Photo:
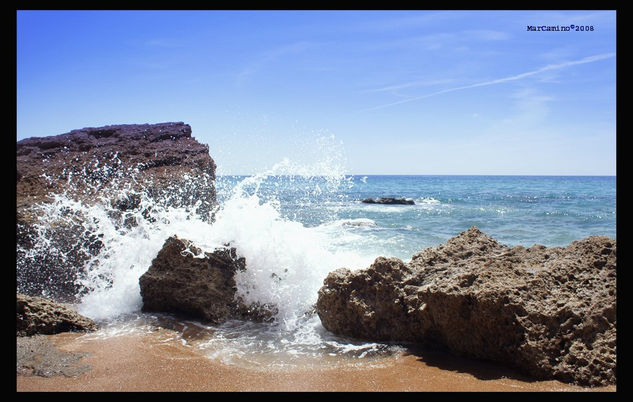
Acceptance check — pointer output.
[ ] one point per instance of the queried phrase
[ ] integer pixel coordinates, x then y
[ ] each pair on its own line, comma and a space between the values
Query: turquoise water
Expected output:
295, 229
516, 210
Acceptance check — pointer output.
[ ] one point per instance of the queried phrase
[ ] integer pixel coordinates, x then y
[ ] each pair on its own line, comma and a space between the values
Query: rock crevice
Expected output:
550, 312
185, 281
37, 315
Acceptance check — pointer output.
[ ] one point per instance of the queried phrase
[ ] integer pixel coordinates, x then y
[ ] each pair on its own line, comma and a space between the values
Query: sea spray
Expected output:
113, 246
294, 223
286, 261
280, 220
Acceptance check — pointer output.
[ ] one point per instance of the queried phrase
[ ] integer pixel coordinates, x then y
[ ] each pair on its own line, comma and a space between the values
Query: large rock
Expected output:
551, 312
117, 166
155, 158
184, 281
36, 315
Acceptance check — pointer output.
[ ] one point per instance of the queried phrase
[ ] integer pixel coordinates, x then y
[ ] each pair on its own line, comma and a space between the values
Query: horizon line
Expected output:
440, 174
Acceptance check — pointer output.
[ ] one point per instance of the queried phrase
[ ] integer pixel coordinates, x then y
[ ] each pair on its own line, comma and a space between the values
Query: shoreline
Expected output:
146, 362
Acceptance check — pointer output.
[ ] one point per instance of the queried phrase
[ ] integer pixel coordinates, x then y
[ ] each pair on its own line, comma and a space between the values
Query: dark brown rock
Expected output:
389, 201
94, 160
36, 315
115, 166
550, 312
182, 281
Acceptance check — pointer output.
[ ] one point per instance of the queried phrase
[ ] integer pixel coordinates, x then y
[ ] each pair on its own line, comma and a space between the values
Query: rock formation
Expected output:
116, 166
93, 160
550, 312
389, 201
36, 315
183, 281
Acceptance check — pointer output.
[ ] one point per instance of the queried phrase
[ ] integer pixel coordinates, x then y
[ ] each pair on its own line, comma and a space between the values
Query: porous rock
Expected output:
116, 166
156, 156
184, 281
550, 312
37, 315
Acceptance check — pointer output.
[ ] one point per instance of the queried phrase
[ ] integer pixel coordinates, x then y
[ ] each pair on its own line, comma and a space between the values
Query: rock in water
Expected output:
183, 282
550, 312
36, 315
389, 201
115, 166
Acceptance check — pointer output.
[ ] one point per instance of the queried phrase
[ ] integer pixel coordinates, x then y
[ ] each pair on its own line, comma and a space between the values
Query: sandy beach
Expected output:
145, 362
270, 200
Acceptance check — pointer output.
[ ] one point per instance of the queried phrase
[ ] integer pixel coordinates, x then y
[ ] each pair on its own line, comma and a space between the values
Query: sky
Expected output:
369, 92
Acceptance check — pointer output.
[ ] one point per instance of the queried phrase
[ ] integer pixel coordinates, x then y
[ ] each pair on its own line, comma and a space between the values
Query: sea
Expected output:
294, 225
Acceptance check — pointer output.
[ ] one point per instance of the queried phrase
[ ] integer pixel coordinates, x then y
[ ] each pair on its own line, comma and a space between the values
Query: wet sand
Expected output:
146, 362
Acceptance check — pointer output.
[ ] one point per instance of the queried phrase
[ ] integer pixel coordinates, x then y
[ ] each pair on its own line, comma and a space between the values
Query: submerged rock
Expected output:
37, 315
184, 281
37, 355
116, 166
389, 200
550, 312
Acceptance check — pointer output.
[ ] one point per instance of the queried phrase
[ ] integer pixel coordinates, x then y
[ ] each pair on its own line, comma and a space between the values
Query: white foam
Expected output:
383, 209
427, 201
286, 261
351, 223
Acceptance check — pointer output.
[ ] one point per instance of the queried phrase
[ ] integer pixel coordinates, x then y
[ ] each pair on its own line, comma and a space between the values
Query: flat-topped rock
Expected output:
37, 315
116, 167
91, 160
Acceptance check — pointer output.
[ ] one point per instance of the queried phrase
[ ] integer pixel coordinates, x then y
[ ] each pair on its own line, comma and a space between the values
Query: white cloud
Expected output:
531, 110
549, 67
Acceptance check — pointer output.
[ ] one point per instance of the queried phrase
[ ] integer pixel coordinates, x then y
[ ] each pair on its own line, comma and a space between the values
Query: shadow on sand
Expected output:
438, 356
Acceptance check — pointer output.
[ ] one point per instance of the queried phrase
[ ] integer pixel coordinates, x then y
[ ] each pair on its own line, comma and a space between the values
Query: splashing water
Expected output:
286, 260
294, 223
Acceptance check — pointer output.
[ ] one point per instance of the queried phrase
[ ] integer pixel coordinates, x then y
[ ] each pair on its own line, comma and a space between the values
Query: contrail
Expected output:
409, 84
549, 67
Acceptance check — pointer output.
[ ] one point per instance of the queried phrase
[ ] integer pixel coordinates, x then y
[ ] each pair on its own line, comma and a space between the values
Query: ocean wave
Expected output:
352, 223
427, 201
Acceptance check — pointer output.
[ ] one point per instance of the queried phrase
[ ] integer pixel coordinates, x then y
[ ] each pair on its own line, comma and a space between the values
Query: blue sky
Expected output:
377, 92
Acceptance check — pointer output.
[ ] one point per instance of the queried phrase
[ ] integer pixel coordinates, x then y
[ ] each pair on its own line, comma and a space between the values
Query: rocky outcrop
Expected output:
116, 166
154, 158
185, 281
389, 201
36, 315
550, 312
